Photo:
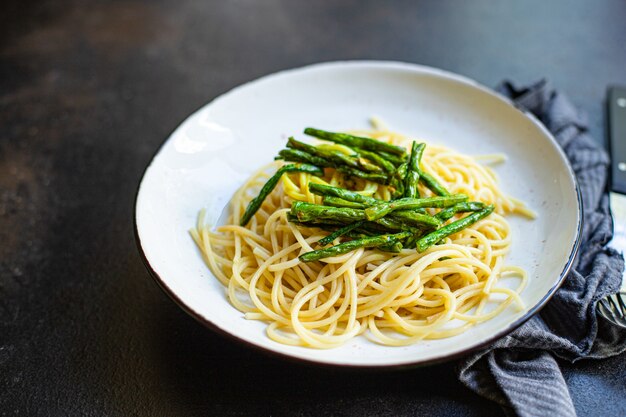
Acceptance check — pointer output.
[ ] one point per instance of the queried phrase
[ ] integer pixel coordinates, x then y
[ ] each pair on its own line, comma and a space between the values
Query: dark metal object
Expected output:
616, 106
613, 307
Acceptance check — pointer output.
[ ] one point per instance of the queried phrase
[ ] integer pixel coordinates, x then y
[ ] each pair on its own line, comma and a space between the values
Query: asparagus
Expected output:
315, 212
368, 144
329, 200
397, 180
410, 217
331, 227
336, 157
370, 176
342, 193
385, 164
361, 162
368, 242
412, 173
304, 212
394, 159
351, 199
339, 232
395, 225
412, 240
382, 209
395, 247
256, 202
295, 155
367, 228
413, 218
375, 229
448, 213
454, 227
325, 224
430, 182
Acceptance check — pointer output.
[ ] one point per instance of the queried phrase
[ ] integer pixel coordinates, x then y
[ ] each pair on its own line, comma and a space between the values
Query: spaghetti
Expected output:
392, 298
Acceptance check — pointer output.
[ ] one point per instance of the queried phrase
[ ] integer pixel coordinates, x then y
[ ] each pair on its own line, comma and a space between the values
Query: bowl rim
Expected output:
403, 364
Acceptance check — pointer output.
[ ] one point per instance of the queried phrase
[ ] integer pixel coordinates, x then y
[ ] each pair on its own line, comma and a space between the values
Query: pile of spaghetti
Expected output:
365, 233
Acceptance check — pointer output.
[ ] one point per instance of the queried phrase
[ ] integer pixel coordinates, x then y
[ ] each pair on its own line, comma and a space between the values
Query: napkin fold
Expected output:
520, 371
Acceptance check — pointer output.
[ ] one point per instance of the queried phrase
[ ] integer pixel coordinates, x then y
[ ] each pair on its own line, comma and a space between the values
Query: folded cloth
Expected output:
519, 371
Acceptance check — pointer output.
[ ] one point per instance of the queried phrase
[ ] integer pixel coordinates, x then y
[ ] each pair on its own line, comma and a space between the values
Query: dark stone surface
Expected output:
89, 90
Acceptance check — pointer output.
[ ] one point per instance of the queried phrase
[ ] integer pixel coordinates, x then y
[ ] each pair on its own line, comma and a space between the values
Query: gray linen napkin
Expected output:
519, 371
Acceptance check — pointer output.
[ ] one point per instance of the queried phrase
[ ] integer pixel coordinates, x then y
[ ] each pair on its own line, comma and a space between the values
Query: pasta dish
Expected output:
369, 233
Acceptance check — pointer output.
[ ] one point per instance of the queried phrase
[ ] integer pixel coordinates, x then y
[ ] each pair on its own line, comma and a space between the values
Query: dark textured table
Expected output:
89, 90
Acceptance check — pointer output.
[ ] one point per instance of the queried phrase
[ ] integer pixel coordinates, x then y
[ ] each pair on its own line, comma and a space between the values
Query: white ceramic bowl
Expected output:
212, 152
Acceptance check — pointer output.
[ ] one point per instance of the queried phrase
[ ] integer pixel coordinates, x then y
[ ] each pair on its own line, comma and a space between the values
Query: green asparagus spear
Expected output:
430, 182
339, 232
375, 229
292, 218
326, 224
394, 159
368, 242
327, 190
328, 227
409, 217
386, 165
332, 224
336, 157
368, 144
412, 240
313, 212
256, 202
413, 173
399, 221
382, 209
395, 247
295, 155
370, 176
356, 159
454, 227
395, 225
413, 218
448, 213
329, 200
397, 180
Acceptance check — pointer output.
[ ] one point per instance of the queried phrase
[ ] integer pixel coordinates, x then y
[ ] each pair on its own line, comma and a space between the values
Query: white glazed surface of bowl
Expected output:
212, 152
